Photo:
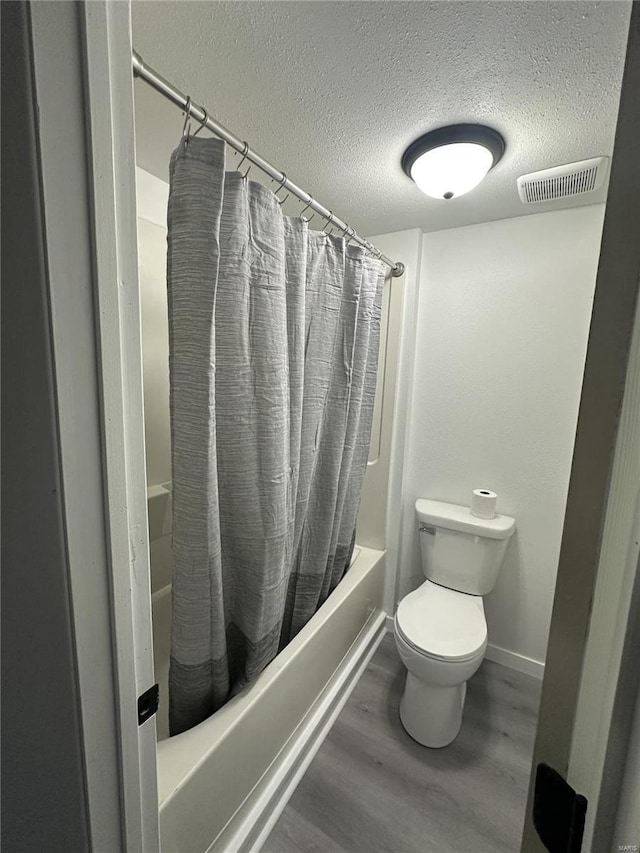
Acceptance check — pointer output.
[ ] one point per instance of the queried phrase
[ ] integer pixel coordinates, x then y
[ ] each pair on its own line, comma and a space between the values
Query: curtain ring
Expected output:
306, 207
329, 219
187, 118
202, 121
245, 151
280, 185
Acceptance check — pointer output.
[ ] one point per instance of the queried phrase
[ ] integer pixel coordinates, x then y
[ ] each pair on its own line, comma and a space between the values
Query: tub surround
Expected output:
152, 250
379, 520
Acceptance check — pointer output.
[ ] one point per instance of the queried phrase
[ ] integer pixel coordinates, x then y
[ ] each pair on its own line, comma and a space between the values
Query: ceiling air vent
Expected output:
586, 176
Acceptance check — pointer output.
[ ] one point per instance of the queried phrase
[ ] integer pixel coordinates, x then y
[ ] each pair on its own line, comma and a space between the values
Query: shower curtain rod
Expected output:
157, 82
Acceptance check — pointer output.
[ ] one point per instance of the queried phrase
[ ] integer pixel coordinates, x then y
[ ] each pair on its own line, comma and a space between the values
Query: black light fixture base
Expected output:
479, 134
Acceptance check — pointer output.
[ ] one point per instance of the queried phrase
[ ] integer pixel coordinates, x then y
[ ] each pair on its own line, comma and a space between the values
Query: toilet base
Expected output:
430, 714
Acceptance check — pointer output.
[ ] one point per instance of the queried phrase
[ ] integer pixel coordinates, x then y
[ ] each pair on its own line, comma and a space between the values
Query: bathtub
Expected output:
222, 784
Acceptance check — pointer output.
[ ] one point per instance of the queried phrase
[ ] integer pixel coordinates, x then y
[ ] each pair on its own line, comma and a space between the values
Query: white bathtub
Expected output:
223, 783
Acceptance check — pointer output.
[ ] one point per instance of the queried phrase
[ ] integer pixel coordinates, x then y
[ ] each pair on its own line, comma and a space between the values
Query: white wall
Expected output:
502, 327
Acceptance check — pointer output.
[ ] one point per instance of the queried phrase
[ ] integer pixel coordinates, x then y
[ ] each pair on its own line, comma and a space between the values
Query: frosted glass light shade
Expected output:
451, 170
451, 161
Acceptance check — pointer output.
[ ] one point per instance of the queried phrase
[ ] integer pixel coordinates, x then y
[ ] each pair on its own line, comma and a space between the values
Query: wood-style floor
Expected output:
371, 788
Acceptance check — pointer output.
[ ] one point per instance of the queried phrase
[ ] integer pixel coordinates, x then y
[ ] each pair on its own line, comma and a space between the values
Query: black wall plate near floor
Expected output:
558, 812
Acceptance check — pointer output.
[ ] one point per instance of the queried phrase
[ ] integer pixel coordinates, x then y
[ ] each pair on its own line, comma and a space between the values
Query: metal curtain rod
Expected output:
156, 81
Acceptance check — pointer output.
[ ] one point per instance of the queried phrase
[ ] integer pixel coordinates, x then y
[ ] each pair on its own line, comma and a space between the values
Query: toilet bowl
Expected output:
441, 636
439, 628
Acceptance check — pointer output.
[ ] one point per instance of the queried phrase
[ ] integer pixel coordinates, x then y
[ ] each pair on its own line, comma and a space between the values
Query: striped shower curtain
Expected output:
273, 349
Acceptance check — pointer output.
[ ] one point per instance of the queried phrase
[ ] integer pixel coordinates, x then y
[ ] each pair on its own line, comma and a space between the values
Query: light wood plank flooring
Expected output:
371, 788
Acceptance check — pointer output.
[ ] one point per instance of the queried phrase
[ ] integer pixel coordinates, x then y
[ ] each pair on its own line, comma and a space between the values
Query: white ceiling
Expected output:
333, 92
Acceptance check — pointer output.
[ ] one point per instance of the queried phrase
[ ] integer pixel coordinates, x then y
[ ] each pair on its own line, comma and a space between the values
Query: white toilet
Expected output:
440, 629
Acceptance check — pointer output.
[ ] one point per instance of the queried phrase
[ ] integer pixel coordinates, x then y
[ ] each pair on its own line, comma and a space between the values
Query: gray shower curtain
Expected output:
273, 349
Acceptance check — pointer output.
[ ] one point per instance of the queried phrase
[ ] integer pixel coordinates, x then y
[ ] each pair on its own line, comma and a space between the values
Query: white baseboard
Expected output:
502, 656
515, 661
250, 826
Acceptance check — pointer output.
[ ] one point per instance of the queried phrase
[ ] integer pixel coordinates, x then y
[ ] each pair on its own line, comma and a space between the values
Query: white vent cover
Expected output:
586, 176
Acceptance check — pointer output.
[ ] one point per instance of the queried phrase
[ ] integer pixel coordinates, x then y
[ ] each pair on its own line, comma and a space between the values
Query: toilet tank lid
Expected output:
455, 517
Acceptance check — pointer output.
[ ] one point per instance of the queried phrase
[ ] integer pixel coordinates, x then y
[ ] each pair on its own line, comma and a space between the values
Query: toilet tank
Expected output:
459, 550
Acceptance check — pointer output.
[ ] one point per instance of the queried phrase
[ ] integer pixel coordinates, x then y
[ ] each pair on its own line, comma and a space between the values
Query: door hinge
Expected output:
148, 703
558, 812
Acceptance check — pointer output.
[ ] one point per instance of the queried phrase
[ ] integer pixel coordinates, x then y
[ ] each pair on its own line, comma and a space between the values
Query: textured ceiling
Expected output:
333, 92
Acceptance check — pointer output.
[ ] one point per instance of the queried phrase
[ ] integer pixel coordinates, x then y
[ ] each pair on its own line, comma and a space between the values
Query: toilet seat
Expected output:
442, 623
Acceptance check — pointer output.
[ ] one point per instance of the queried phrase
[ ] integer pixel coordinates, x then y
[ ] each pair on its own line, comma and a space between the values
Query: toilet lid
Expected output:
442, 623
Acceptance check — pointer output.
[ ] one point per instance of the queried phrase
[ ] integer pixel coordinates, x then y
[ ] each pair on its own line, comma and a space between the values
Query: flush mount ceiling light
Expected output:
450, 161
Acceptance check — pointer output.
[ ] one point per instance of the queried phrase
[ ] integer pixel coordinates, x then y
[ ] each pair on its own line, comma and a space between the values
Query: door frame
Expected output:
106, 31
591, 617
83, 89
